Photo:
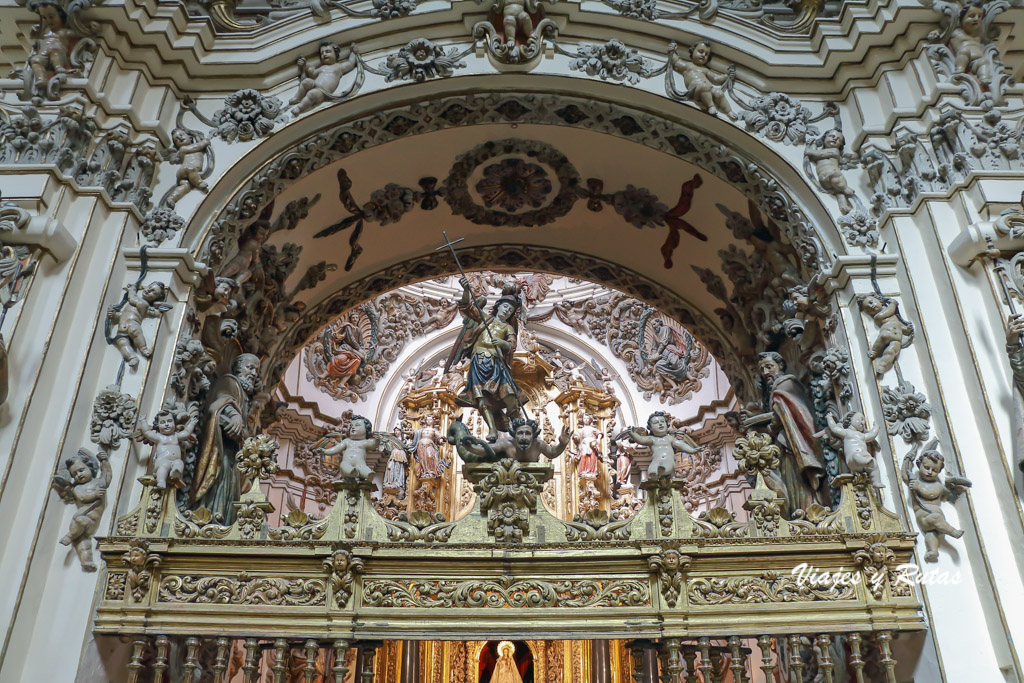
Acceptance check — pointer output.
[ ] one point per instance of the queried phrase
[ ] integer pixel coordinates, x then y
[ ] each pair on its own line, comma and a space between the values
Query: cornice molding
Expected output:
167, 45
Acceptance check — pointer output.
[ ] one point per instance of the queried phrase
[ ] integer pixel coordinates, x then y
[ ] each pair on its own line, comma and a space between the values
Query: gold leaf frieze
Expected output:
507, 592
769, 587
243, 590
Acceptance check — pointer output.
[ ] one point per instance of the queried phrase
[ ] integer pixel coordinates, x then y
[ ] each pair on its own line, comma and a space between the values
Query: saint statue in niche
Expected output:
506, 662
428, 440
588, 444
394, 474
505, 670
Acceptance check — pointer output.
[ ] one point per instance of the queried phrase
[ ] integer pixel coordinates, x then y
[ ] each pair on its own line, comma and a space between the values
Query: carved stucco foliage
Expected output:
115, 159
506, 591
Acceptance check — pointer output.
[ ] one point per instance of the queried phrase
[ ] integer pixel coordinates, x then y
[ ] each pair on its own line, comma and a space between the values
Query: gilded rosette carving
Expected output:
507, 591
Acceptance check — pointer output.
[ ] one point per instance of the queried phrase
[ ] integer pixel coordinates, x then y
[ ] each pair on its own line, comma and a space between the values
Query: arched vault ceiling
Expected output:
599, 140
604, 234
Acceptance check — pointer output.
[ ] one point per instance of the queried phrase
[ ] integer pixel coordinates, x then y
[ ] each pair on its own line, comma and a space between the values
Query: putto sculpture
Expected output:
58, 50
167, 462
664, 445
85, 487
894, 333
830, 160
705, 88
928, 492
857, 439
138, 304
361, 440
193, 153
320, 84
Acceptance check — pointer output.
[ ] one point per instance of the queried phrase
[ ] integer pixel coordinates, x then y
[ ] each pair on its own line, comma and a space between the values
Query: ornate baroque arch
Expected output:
658, 129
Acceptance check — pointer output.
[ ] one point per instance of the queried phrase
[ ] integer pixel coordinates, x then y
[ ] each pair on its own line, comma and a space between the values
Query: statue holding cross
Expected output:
489, 341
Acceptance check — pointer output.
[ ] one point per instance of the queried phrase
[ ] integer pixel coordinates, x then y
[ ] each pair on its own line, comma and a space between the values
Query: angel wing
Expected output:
158, 309
171, 154
63, 488
389, 441
956, 487
327, 441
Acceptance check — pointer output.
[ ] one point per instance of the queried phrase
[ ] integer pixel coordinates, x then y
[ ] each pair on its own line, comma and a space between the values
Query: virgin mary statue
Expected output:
505, 670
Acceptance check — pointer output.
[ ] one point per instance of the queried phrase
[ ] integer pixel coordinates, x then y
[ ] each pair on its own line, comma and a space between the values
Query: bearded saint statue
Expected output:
217, 483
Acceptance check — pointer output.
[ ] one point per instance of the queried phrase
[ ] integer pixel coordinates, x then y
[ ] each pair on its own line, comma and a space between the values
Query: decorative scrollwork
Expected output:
507, 592
598, 525
243, 590
420, 525
769, 587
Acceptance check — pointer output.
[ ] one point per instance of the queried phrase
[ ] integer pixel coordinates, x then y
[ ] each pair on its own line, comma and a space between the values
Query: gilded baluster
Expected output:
796, 662
312, 649
249, 666
163, 648
673, 665
280, 659
220, 664
690, 657
705, 659
739, 670
856, 660
339, 669
717, 666
135, 665
369, 653
825, 657
636, 648
191, 660
765, 643
884, 640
